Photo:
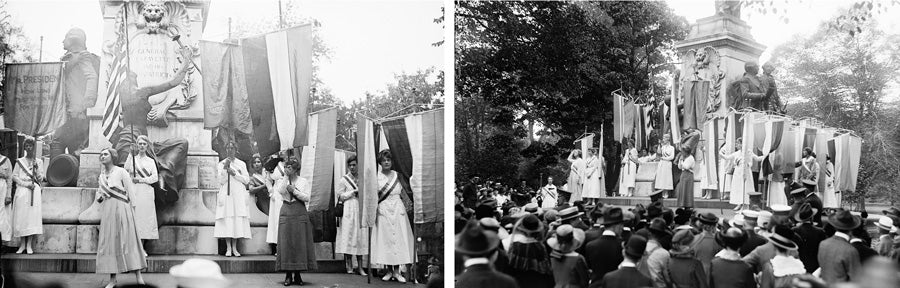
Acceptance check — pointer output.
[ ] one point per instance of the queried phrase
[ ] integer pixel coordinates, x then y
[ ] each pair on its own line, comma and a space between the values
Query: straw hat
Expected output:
566, 239
199, 273
885, 223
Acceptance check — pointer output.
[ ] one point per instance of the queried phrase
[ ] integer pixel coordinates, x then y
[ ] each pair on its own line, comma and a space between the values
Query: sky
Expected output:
805, 17
371, 41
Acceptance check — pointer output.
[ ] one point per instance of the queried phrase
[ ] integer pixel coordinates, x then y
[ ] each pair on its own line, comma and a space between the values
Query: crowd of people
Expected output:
503, 244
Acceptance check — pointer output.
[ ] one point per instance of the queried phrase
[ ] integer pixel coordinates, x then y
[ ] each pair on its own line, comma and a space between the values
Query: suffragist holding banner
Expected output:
392, 237
232, 210
144, 174
28, 175
119, 248
352, 239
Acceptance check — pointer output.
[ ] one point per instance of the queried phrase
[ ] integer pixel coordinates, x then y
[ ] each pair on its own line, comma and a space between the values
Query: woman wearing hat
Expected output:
570, 270
783, 268
528, 256
727, 269
28, 175
683, 269
685, 188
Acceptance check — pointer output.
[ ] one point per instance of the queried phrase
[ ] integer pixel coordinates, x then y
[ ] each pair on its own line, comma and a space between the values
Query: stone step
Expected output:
86, 263
671, 202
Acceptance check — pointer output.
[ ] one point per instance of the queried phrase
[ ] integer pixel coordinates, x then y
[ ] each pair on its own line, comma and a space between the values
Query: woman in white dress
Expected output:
28, 175
6, 209
575, 182
741, 181
593, 186
232, 209
392, 237
275, 200
830, 198
664, 179
629, 169
726, 162
143, 197
352, 239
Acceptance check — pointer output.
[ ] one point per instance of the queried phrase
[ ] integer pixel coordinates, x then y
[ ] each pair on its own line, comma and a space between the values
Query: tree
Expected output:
841, 79
14, 45
553, 63
852, 20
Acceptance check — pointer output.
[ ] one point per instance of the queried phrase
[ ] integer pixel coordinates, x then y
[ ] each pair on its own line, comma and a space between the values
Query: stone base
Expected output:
56, 239
200, 172
86, 263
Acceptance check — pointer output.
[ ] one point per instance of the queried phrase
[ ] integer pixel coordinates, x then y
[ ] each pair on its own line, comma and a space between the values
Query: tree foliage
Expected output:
843, 81
14, 45
521, 65
852, 20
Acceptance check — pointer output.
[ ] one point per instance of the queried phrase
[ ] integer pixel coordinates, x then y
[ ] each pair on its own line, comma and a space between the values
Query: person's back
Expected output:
684, 271
808, 245
625, 277
838, 258
705, 249
484, 276
570, 270
603, 255
730, 273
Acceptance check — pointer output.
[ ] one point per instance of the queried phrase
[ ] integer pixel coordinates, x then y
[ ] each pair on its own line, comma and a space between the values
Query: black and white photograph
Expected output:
661, 144
222, 143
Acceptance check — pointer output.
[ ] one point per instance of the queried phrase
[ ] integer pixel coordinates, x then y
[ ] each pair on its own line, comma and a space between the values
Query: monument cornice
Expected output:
722, 39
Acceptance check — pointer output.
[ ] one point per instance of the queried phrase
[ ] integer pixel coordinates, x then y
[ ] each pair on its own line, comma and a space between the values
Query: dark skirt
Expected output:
296, 250
685, 189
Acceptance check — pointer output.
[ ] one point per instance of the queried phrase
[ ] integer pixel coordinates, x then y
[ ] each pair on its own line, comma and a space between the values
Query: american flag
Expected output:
112, 111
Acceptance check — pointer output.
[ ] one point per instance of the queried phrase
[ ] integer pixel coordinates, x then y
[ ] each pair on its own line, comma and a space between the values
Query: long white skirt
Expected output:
5, 213
592, 187
145, 211
392, 237
27, 219
740, 186
275, 203
351, 239
776, 193
831, 198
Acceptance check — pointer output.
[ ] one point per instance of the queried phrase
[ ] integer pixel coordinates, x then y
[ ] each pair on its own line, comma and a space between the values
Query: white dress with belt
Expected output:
144, 196
27, 218
275, 202
352, 239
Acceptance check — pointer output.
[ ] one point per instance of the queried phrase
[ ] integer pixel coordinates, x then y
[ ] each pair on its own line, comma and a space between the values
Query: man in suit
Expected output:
810, 237
705, 245
479, 250
627, 276
470, 192
596, 230
753, 239
803, 195
604, 254
838, 258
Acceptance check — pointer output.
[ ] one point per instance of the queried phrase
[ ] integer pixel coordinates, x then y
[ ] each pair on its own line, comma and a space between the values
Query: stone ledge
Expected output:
86, 263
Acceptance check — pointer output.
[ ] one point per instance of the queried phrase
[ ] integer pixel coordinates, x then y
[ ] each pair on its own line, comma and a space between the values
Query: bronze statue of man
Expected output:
80, 76
748, 92
774, 100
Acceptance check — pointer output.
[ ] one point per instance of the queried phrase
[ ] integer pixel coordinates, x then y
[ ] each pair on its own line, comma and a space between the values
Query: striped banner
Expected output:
618, 107
821, 151
225, 98
426, 140
711, 151
640, 131
367, 165
674, 122
318, 158
289, 54
586, 143
340, 169
262, 105
111, 123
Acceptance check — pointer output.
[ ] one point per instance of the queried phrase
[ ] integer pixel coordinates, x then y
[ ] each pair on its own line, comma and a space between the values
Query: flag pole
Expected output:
128, 73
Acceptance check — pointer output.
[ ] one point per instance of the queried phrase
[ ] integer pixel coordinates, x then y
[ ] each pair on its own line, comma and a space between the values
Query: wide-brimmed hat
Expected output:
655, 192
805, 213
532, 208
885, 223
474, 240
613, 216
783, 242
569, 213
750, 215
708, 218
797, 188
781, 210
199, 273
530, 224
764, 217
566, 239
892, 211
658, 225
635, 246
491, 224
843, 220
736, 221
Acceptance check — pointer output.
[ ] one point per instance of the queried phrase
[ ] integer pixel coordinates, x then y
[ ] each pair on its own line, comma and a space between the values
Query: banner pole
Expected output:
369, 259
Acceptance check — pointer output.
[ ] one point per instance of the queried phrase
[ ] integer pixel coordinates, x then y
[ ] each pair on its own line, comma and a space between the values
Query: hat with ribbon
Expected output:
805, 213
885, 223
569, 213
708, 218
566, 239
474, 240
613, 216
844, 220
